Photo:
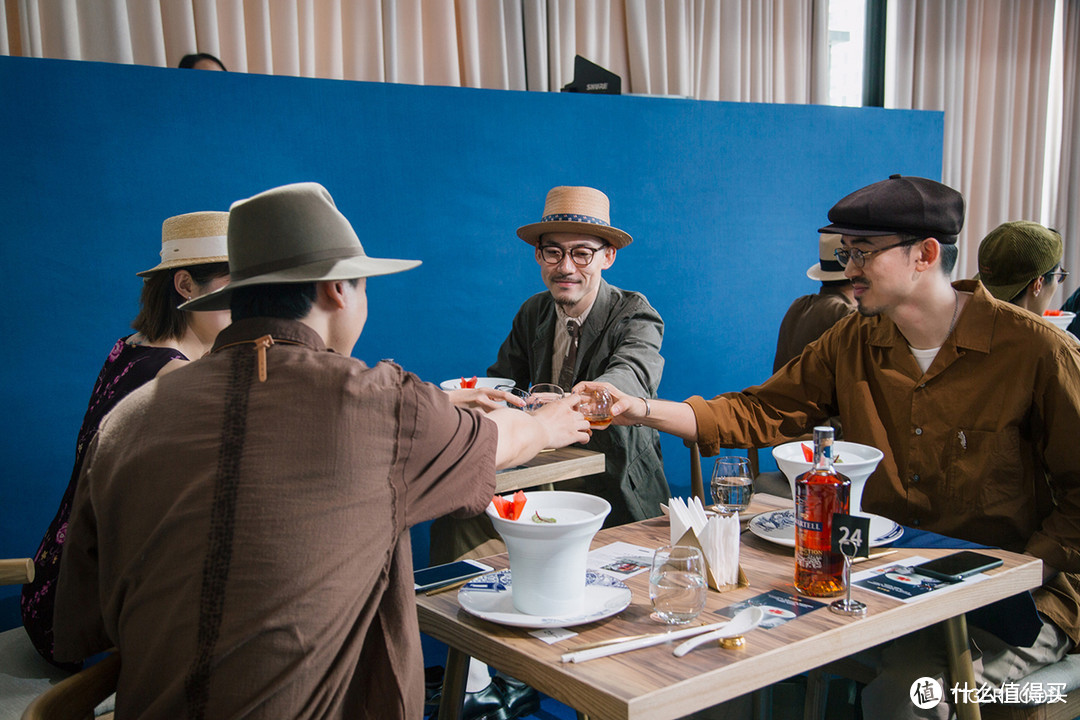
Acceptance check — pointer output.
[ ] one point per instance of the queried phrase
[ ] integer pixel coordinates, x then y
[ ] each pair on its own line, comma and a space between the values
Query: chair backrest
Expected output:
16, 572
75, 697
697, 485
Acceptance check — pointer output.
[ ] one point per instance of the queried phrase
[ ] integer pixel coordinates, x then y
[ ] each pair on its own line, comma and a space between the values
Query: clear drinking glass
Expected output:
542, 394
596, 407
677, 585
517, 392
732, 485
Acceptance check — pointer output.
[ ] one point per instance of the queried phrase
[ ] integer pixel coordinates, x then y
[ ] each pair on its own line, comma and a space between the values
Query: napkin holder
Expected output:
690, 539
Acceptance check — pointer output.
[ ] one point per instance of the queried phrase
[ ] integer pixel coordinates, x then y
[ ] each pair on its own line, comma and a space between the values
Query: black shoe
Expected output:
503, 699
518, 698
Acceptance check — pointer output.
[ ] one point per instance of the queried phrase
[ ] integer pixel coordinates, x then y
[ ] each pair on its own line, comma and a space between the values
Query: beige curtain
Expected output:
1065, 215
987, 65
753, 50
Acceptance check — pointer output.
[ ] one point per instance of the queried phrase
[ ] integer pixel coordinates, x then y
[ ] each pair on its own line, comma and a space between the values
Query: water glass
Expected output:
516, 392
732, 485
677, 585
541, 394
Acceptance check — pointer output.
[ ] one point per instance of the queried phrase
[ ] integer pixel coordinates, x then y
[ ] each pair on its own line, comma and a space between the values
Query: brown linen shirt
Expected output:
982, 447
246, 544
807, 318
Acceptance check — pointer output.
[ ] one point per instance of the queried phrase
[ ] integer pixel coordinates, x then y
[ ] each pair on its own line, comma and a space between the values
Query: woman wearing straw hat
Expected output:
194, 262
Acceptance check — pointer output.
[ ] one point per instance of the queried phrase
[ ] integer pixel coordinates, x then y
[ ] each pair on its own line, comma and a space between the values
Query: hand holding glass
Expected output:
596, 407
677, 584
732, 486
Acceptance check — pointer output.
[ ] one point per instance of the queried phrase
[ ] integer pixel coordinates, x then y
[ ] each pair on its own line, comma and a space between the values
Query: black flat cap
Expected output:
911, 205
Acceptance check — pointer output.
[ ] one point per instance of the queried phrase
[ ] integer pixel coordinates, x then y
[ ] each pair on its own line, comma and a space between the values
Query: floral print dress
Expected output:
127, 368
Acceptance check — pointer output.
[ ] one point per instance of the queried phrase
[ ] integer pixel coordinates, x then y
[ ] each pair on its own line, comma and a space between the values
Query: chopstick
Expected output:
649, 640
875, 556
624, 638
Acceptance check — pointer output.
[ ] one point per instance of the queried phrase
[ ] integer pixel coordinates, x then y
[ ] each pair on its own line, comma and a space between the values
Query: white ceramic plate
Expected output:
489, 597
488, 382
778, 526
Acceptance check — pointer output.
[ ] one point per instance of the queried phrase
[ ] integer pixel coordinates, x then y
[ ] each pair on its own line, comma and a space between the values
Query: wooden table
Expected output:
652, 683
550, 466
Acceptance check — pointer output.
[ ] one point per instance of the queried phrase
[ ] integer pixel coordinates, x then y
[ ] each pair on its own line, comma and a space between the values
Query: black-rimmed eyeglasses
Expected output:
858, 256
581, 256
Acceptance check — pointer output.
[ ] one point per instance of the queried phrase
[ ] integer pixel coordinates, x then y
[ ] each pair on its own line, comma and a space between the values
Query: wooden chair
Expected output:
75, 697
16, 572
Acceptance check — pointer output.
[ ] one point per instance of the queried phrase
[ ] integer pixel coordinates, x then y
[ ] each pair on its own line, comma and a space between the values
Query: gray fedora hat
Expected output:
292, 234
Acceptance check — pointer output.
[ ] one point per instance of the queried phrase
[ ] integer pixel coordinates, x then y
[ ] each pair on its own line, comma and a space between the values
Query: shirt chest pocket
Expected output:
983, 468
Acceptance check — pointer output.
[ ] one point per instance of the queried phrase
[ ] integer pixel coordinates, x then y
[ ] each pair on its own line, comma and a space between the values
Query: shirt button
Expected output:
918, 431
915, 522
922, 386
915, 477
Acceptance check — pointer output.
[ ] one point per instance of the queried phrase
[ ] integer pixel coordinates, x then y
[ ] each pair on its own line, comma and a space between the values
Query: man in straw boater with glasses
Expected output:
580, 328
974, 402
241, 529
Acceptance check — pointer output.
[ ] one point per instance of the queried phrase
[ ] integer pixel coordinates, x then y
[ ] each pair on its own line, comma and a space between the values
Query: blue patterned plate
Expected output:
778, 526
489, 597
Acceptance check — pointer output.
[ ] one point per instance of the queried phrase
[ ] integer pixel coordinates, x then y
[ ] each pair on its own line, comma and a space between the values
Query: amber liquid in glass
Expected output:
598, 422
819, 492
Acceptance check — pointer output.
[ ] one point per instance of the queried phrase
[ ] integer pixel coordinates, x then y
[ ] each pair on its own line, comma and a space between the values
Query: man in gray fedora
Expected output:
241, 528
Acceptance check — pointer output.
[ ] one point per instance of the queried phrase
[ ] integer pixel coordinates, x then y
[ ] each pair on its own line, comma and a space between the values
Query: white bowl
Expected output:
547, 560
857, 463
488, 382
1062, 321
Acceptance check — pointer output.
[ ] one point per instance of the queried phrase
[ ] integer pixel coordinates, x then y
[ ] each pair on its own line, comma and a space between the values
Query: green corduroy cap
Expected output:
1014, 254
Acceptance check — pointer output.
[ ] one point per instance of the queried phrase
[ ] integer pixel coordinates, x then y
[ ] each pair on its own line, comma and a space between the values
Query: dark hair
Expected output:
947, 243
188, 61
159, 318
289, 301
835, 283
949, 253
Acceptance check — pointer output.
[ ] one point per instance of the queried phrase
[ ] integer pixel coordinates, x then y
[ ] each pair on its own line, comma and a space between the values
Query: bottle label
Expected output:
807, 524
810, 559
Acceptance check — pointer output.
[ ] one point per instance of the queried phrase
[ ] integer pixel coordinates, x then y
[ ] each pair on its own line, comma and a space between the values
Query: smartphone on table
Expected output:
956, 567
437, 576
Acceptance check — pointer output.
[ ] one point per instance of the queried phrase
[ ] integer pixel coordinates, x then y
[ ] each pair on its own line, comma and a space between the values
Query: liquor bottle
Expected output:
819, 492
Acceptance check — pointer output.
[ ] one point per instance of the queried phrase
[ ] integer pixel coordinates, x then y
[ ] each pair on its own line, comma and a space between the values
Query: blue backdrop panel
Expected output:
723, 201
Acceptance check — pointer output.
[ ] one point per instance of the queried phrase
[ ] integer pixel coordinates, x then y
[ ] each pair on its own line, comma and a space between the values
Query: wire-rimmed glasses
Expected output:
858, 256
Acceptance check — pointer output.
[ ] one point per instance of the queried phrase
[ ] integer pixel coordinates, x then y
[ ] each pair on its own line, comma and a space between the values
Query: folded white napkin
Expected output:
717, 536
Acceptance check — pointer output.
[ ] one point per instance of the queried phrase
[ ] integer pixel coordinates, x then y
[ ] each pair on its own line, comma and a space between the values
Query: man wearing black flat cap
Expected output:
975, 404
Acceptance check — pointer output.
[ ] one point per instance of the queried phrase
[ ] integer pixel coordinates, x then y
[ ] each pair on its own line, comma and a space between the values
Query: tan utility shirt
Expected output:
984, 446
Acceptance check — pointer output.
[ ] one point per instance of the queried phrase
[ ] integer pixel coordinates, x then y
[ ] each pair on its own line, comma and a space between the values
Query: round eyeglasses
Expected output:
581, 256
858, 256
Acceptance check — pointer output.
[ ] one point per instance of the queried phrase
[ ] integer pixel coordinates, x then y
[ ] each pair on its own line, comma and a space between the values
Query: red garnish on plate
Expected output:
510, 509
807, 452
470, 383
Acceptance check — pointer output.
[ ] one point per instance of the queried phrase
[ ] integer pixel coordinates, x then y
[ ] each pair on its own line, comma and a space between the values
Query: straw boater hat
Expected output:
828, 267
195, 238
575, 210
292, 234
